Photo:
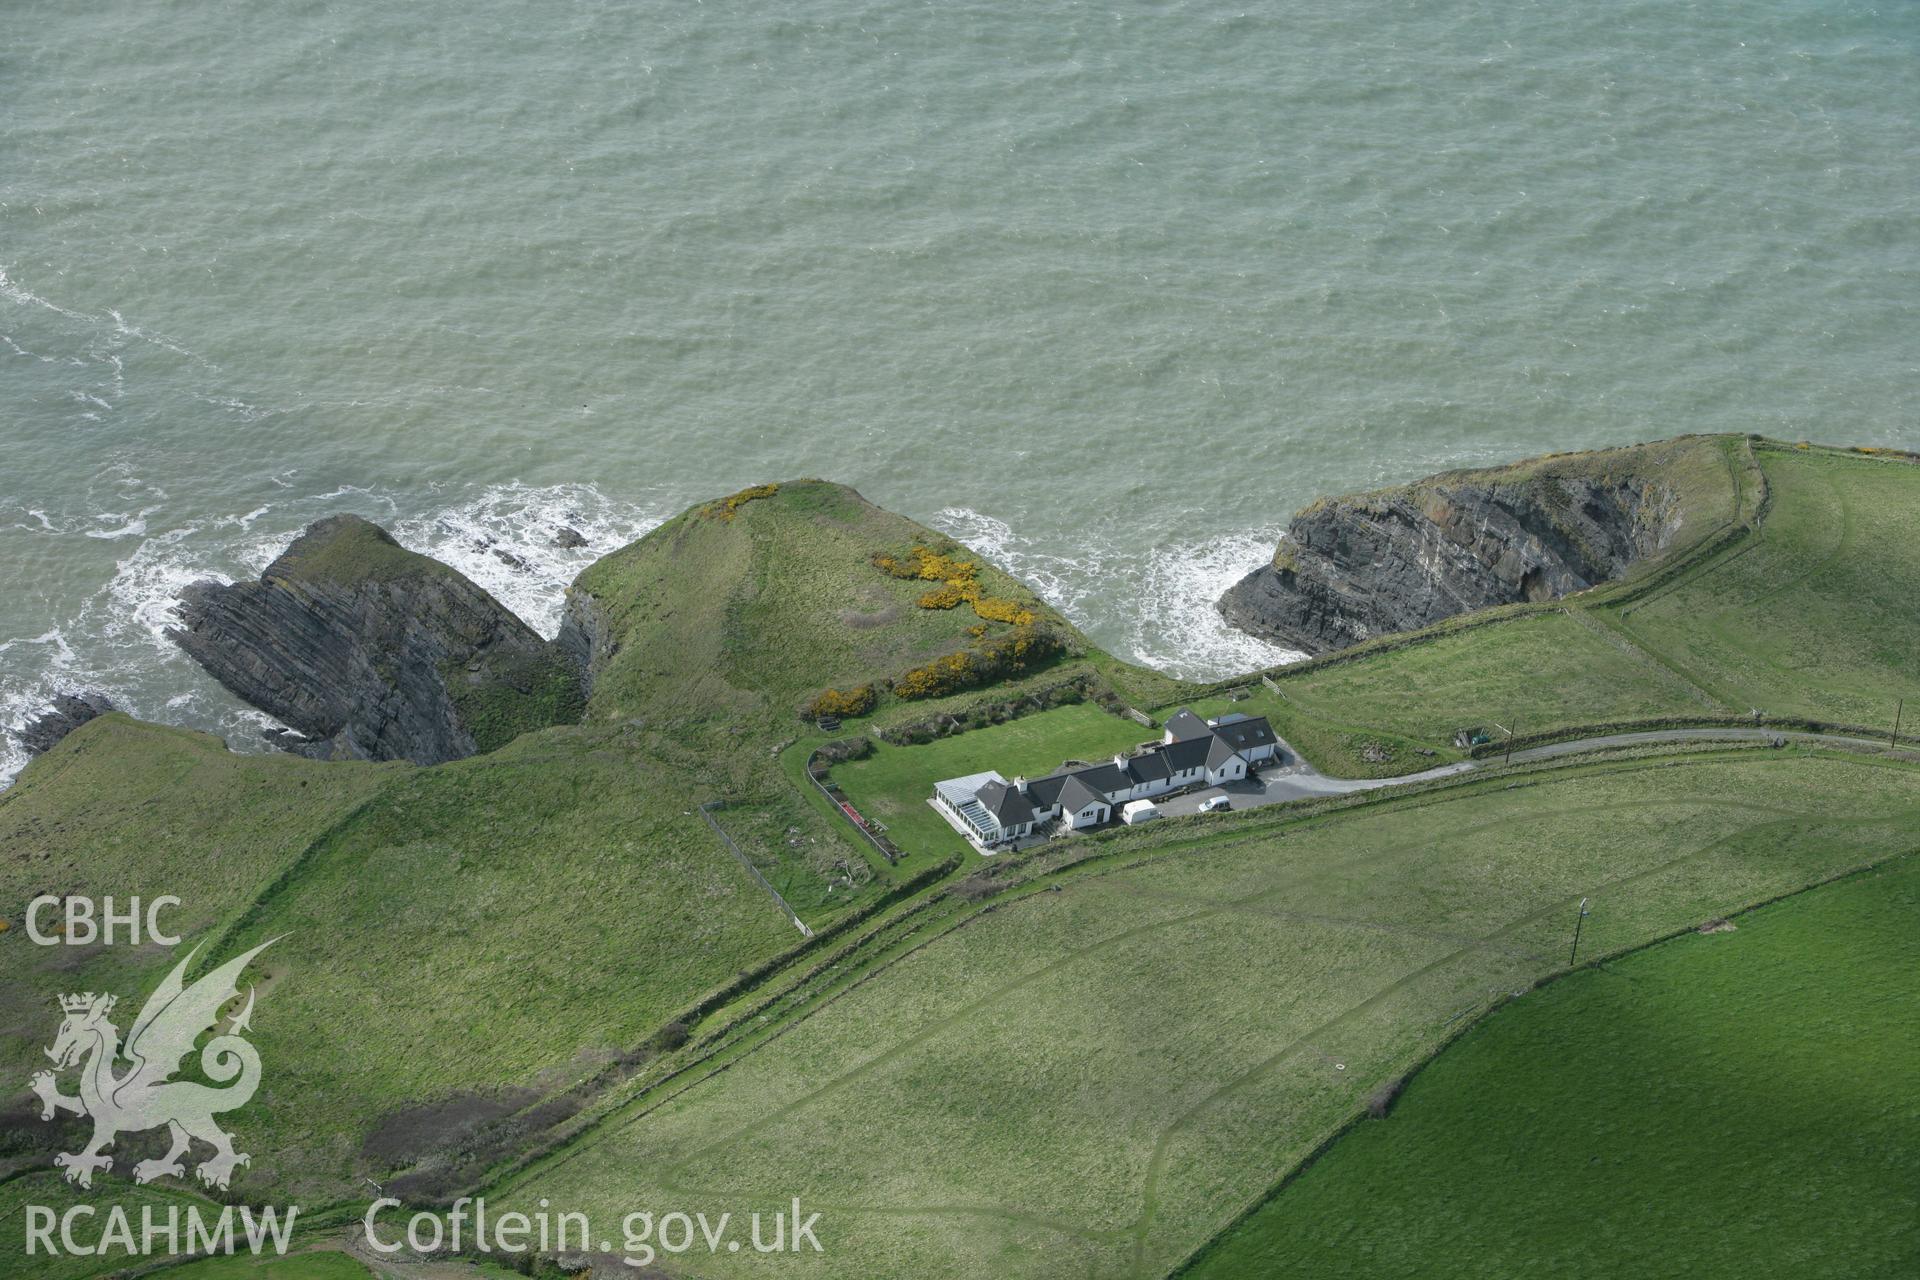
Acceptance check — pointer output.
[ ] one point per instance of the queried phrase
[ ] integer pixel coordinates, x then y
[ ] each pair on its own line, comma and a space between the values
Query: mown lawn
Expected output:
1726, 1104
894, 782
1094, 1078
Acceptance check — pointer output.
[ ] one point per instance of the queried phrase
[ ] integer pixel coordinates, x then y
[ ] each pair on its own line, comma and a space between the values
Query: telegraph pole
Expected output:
1577, 922
1509, 759
1893, 739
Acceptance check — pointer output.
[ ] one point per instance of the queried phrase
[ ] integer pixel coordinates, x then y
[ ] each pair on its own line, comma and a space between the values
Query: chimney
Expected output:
1020, 785
1119, 761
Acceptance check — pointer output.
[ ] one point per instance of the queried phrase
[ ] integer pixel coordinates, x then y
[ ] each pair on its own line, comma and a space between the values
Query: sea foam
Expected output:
1155, 606
502, 536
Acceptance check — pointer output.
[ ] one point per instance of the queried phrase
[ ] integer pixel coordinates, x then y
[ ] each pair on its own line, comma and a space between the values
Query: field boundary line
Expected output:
1620, 638
706, 811
1307, 1162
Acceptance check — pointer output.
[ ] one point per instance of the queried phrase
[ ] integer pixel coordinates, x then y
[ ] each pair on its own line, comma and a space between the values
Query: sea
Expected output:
1105, 291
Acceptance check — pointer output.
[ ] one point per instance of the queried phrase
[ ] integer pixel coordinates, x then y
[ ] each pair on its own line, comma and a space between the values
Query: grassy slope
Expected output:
1811, 617
1094, 1080
491, 924
1733, 1104
726, 627
128, 809
48, 1189
1816, 616
507, 921
325, 1264
728, 621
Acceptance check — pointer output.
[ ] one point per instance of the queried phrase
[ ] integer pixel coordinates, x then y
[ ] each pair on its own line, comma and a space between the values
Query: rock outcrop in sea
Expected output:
1397, 559
368, 651
69, 712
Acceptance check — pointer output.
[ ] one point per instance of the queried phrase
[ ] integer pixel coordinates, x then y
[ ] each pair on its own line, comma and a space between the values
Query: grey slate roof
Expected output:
1196, 745
1219, 751
1076, 795
1184, 724
1247, 734
1105, 778
1005, 803
1189, 753
1150, 767
1045, 792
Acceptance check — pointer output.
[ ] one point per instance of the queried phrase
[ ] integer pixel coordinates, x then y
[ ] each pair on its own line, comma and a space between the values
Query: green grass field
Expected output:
1811, 617
1726, 1104
894, 782
501, 926
1095, 1078
317, 1265
1091, 1073
1814, 617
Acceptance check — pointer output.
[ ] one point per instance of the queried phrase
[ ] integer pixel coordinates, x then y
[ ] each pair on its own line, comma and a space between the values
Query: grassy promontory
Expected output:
538, 972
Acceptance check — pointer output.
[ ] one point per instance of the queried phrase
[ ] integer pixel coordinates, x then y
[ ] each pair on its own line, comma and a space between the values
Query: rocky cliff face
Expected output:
371, 652
585, 640
68, 712
1357, 567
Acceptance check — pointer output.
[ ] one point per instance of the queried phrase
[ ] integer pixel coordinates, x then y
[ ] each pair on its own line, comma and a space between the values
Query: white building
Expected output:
985, 807
1191, 753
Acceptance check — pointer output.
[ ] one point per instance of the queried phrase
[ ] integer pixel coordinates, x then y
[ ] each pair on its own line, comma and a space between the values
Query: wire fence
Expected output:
706, 811
817, 772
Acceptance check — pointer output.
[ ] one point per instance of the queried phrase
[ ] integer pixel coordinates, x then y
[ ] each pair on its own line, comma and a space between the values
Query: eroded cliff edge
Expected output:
1396, 559
369, 651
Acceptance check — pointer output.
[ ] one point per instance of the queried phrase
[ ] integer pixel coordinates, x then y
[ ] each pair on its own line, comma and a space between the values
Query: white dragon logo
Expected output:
145, 1097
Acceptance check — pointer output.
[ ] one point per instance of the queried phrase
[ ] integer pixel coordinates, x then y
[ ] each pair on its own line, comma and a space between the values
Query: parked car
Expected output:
1218, 804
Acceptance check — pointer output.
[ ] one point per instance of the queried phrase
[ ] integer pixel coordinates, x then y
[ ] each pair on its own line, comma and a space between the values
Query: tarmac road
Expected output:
1300, 780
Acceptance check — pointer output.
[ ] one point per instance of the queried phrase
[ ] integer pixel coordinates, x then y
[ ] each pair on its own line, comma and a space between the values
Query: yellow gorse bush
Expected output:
959, 581
726, 508
994, 609
856, 701
981, 664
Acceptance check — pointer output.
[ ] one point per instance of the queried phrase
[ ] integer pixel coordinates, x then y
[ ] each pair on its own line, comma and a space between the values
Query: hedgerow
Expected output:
984, 663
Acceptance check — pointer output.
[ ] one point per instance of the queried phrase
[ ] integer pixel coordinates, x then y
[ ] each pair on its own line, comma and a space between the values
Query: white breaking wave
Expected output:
504, 537
1160, 601
1180, 631
54, 663
1155, 607
505, 540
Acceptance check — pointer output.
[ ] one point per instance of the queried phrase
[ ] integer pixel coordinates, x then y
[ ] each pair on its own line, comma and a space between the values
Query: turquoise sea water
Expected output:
1106, 290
